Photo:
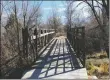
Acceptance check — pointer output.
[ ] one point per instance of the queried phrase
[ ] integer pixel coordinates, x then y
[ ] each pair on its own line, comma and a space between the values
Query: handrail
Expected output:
41, 35
34, 37
77, 41
47, 34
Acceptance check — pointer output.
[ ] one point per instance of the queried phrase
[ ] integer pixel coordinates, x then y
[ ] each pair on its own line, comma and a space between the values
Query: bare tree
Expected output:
69, 13
102, 25
54, 21
100, 16
12, 37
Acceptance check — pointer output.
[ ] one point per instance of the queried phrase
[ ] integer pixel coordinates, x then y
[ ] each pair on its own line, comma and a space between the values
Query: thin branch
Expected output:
33, 13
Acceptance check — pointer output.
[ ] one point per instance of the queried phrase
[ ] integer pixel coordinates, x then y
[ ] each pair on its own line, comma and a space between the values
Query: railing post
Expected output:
40, 39
72, 36
35, 33
48, 37
25, 43
0, 68
78, 43
83, 35
45, 37
74, 39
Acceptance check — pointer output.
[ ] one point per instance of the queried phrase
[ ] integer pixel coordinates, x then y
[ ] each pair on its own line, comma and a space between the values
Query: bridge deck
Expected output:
57, 62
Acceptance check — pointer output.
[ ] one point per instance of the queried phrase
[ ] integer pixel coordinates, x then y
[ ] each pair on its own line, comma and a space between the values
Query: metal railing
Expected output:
76, 37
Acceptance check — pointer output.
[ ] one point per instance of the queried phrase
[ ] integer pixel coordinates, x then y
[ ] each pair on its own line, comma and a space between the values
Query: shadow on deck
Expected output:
57, 59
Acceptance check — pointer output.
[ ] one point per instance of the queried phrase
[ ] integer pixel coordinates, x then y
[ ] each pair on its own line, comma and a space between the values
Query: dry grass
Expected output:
98, 64
102, 69
101, 54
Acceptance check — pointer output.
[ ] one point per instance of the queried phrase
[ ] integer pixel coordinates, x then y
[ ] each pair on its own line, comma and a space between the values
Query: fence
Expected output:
76, 37
32, 42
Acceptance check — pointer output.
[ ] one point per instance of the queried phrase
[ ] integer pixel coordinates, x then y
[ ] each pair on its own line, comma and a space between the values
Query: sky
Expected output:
46, 9
61, 7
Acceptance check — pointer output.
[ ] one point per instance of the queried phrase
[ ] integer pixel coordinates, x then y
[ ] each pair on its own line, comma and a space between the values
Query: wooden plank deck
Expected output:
57, 62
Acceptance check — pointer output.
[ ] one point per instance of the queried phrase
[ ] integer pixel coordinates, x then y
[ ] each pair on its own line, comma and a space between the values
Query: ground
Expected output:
98, 64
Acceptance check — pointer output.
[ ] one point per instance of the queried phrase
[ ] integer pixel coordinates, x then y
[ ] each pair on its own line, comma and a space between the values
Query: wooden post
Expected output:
0, 48
44, 38
25, 41
77, 44
73, 38
35, 33
48, 37
83, 35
